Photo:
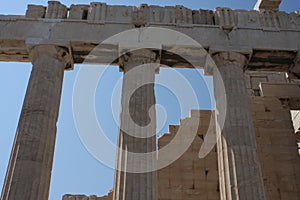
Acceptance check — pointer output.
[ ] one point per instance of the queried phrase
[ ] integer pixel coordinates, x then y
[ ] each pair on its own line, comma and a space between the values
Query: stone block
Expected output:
257, 80
257, 107
290, 195
173, 128
79, 12
122, 14
35, 11
266, 104
268, 19
203, 17
278, 140
267, 4
274, 124
56, 10
200, 184
276, 132
294, 20
169, 15
284, 20
280, 90
212, 175
224, 17
176, 194
156, 14
213, 194
272, 115
270, 171
97, 11
203, 114
211, 165
75, 197
176, 182
183, 15
247, 80
140, 15
196, 146
277, 77
164, 173
164, 182
247, 18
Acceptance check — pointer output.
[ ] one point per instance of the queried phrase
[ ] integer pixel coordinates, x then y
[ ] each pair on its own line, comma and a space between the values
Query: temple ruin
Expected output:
257, 60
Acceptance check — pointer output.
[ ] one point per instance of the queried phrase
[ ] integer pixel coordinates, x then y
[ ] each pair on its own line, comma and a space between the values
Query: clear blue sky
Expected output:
75, 170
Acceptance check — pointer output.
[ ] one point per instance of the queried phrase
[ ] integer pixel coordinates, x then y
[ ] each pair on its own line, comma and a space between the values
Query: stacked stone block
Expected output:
190, 177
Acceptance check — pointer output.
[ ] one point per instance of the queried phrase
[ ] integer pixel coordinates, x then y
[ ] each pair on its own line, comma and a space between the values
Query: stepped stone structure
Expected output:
253, 56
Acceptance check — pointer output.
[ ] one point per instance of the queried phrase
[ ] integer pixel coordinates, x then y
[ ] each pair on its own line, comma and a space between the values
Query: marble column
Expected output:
239, 168
29, 170
137, 132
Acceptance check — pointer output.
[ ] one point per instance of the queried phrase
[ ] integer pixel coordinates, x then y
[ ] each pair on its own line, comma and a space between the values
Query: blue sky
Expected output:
75, 170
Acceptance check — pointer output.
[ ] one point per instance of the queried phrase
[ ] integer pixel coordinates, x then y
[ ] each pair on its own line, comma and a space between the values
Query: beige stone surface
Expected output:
254, 79
190, 177
276, 141
280, 90
78, 12
56, 10
277, 148
35, 11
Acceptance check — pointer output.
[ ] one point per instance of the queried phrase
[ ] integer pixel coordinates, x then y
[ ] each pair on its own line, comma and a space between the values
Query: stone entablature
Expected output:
257, 34
177, 15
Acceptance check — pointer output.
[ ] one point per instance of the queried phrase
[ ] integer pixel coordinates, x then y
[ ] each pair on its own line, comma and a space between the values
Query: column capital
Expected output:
140, 56
60, 53
223, 58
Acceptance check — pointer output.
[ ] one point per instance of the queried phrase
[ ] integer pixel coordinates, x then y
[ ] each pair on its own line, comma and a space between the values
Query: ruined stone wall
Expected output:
277, 148
190, 177
276, 139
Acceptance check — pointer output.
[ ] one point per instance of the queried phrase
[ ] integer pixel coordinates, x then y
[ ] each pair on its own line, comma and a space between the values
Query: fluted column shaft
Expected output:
137, 132
239, 168
29, 170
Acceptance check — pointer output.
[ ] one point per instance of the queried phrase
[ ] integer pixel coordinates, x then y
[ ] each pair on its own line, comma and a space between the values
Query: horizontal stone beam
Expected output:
287, 91
280, 90
267, 5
